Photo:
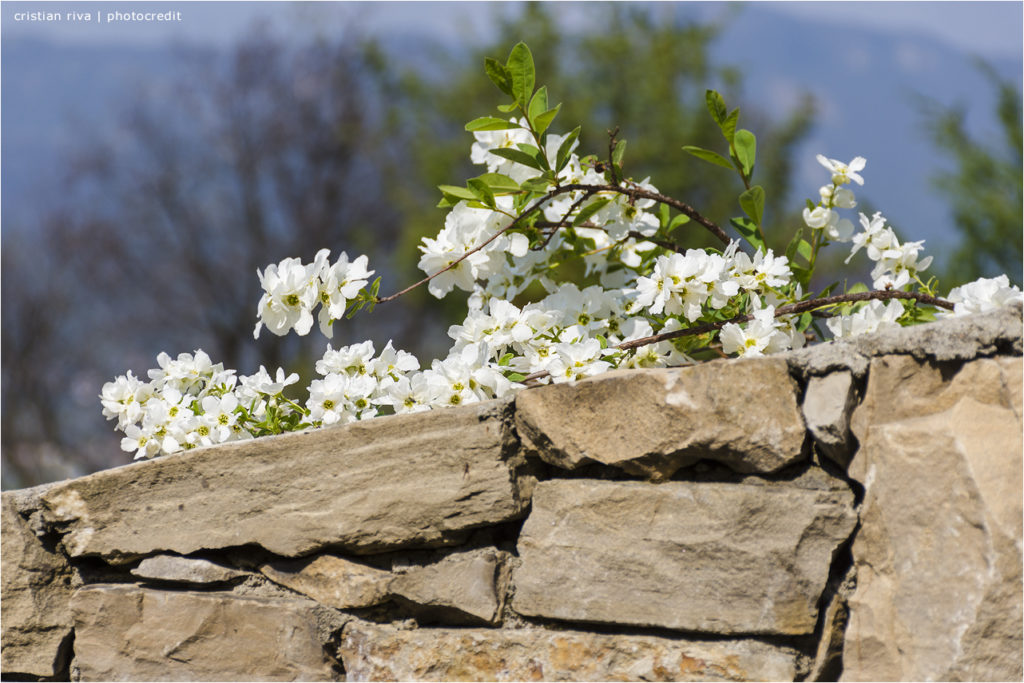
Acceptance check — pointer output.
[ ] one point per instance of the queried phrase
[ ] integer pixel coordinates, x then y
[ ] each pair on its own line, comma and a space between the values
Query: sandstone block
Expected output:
828, 404
400, 481
938, 556
462, 587
34, 599
714, 558
652, 422
125, 633
375, 653
192, 570
332, 580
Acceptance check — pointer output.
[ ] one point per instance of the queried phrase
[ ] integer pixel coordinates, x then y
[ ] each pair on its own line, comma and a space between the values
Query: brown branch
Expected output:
635, 193
789, 309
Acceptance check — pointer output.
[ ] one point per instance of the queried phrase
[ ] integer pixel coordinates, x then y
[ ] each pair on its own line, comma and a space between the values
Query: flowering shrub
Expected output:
642, 302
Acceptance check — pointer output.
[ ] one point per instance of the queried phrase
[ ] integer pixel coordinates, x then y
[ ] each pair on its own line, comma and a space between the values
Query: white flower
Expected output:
480, 152
836, 228
873, 317
291, 290
576, 361
340, 284
876, 237
981, 296
844, 173
355, 359
899, 265
763, 335
141, 440
123, 398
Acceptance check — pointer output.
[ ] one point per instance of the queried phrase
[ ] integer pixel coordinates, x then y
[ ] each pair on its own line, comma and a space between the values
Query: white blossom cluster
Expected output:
570, 333
189, 402
292, 290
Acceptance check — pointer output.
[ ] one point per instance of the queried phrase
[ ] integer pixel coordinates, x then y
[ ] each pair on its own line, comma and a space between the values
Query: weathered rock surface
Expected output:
828, 404
36, 588
332, 580
960, 339
462, 587
652, 422
125, 633
192, 570
375, 653
938, 556
716, 558
391, 482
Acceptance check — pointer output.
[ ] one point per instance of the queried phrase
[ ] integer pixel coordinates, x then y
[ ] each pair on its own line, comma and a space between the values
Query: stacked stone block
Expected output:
849, 510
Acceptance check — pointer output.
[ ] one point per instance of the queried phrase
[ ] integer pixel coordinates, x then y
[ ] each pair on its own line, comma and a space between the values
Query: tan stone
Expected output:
400, 481
192, 570
461, 587
715, 558
377, 653
331, 580
938, 556
126, 633
742, 413
828, 403
36, 590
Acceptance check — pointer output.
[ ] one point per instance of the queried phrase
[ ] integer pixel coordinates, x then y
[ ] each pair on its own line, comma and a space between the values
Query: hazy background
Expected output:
149, 168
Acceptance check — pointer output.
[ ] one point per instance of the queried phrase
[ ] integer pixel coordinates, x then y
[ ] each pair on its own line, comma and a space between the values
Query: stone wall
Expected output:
849, 510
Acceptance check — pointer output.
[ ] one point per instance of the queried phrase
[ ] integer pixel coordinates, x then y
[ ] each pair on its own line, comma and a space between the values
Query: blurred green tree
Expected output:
984, 188
641, 69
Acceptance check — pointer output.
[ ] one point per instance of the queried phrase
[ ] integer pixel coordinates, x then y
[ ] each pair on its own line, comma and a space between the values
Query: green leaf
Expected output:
482, 191
490, 123
518, 156
565, 149
504, 360
794, 244
664, 215
716, 106
498, 182
619, 152
515, 377
828, 290
729, 125
589, 210
801, 274
857, 288
543, 120
538, 104
681, 219
805, 321
520, 66
456, 192
748, 230
810, 205
805, 249
538, 184
709, 156
752, 203
745, 145
512, 106
499, 75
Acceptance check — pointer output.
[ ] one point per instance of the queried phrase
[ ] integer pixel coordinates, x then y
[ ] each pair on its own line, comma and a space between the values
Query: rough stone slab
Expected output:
715, 558
191, 570
462, 587
35, 595
376, 653
828, 404
400, 481
938, 556
332, 580
964, 338
742, 413
126, 633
